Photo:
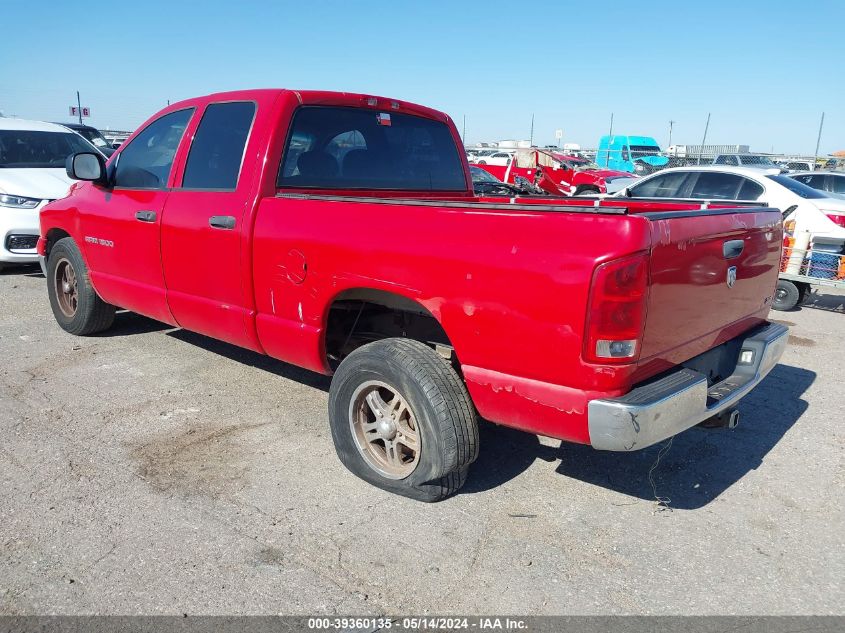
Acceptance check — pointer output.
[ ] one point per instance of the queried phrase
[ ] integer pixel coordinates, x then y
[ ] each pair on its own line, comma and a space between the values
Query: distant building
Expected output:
684, 151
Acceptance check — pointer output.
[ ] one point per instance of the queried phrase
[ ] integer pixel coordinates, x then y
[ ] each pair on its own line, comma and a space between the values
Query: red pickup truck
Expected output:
339, 232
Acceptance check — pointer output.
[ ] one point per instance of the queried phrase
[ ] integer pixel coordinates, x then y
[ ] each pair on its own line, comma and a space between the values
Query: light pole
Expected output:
671, 124
818, 141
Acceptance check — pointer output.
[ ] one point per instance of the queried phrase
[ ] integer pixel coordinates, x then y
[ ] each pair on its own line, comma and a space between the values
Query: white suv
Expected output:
32, 173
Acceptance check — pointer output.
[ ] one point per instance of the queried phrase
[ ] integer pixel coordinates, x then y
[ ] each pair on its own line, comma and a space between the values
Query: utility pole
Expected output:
671, 124
704, 138
79, 107
818, 141
464, 131
532, 131
611, 124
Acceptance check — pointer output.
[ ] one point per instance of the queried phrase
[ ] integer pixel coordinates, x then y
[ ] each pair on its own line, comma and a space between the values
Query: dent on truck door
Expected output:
203, 227
121, 224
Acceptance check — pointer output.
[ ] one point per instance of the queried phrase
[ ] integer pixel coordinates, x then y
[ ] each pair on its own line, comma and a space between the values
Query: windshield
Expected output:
764, 161
94, 136
29, 149
644, 150
580, 164
798, 188
479, 175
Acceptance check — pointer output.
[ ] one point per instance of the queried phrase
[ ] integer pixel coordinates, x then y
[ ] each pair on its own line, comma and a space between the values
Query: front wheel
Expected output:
76, 305
402, 420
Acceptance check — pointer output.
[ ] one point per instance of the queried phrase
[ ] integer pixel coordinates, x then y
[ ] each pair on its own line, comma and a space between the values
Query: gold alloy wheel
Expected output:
385, 430
66, 287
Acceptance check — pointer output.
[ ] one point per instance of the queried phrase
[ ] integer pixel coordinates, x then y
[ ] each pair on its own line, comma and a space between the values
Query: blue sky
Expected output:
765, 70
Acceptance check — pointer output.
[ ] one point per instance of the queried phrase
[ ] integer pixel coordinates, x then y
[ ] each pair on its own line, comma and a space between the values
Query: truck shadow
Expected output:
128, 323
253, 359
699, 466
826, 302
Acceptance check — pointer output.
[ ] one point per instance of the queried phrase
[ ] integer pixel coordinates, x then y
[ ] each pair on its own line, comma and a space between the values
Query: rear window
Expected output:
797, 187
354, 148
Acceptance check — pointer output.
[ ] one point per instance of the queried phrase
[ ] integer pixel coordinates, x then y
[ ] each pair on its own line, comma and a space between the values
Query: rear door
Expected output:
122, 228
203, 229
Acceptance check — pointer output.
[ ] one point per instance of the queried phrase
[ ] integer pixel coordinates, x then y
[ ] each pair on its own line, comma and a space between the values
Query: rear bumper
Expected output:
661, 409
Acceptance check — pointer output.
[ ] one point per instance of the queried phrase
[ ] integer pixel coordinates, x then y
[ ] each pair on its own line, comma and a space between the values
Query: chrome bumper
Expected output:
682, 399
42, 261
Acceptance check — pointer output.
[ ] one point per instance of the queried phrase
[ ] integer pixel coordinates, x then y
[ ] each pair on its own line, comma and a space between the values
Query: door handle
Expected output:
222, 222
732, 248
145, 216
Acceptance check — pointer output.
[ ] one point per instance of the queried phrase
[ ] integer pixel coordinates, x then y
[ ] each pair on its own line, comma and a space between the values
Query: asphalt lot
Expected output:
151, 470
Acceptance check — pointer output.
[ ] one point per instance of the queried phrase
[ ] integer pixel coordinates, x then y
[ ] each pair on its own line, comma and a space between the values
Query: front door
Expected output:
203, 228
122, 238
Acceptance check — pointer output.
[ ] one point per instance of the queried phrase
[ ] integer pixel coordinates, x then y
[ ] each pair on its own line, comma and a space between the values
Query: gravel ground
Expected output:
151, 470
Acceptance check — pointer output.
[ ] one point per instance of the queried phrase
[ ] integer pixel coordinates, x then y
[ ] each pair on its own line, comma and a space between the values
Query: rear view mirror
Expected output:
86, 166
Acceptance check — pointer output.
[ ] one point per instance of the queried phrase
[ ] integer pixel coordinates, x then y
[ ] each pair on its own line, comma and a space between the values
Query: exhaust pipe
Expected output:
728, 419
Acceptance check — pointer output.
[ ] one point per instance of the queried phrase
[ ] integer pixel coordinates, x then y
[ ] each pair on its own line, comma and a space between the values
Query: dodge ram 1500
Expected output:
340, 232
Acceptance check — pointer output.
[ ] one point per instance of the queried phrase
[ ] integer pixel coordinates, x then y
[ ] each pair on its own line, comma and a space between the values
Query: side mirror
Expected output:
86, 166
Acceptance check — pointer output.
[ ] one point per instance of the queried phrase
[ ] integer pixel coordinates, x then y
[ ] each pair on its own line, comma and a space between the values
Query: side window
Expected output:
217, 150
662, 186
750, 190
145, 163
716, 186
838, 184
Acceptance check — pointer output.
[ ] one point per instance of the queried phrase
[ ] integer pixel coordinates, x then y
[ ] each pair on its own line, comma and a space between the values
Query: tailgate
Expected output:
712, 272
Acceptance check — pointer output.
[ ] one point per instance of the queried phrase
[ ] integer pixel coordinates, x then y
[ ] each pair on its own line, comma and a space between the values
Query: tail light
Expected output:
617, 310
835, 218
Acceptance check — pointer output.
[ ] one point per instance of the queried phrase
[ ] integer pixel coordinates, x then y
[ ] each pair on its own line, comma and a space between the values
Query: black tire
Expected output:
586, 191
787, 295
87, 314
439, 404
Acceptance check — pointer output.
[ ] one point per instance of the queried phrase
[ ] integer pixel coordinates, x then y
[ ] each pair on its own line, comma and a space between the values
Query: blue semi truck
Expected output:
639, 155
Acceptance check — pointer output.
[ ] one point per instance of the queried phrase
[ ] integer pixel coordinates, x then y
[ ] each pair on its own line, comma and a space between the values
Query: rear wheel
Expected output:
76, 306
402, 420
787, 295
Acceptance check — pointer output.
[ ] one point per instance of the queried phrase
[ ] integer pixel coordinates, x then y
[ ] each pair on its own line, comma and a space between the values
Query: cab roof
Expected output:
318, 97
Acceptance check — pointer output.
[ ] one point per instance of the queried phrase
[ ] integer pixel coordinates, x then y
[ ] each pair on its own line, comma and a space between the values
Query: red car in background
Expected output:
559, 174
